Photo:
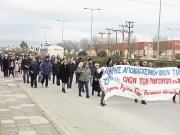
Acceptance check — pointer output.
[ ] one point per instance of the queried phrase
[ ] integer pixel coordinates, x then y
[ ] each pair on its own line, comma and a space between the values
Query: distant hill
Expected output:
15, 43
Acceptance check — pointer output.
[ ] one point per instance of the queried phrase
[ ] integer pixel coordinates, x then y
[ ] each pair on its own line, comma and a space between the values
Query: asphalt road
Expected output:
74, 115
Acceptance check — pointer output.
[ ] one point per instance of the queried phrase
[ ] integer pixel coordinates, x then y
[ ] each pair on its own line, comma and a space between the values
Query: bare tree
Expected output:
163, 44
95, 40
84, 42
112, 40
96, 43
97, 48
132, 45
75, 46
67, 45
112, 43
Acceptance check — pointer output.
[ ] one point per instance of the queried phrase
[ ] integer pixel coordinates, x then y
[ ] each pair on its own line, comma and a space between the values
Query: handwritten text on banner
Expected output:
141, 82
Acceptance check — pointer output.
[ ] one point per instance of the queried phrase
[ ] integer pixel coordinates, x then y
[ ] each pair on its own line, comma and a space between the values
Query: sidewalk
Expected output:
18, 114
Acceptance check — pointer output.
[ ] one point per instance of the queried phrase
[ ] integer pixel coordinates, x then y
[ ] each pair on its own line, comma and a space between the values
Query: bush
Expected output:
82, 53
177, 57
102, 53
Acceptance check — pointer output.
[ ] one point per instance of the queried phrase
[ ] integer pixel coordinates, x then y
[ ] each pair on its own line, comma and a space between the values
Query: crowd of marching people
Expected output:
41, 69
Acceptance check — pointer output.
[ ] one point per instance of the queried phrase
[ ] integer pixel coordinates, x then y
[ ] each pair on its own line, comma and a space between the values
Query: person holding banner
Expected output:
102, 103
151, 65
143, 64
174, 97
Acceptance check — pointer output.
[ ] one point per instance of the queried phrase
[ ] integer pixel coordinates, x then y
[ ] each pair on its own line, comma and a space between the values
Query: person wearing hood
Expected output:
46, 70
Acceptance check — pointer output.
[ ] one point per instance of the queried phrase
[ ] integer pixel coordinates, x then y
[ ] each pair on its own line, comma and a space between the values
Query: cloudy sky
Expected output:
19, 17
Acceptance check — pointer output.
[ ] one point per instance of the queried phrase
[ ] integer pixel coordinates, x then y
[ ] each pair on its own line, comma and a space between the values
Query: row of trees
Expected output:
164, 44
84, 42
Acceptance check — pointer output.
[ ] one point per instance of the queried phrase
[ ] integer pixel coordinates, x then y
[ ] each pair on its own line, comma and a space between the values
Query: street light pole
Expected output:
91, 20
62, 28
157, 55
45, 32
173, 49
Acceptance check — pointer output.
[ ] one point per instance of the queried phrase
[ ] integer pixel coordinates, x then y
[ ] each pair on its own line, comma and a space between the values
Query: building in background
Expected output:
167, 49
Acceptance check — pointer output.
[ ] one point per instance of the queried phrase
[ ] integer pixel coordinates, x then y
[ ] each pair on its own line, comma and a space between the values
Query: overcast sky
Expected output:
18, 17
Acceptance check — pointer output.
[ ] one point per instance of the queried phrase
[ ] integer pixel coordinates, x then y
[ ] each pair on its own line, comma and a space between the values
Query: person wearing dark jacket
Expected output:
64, 74
59, 62
96, 77
55, 70
0, 61
5, 65
91, 67
25, 67
30, 61
46, 70
11, 66
71, 71
109, 63
77, 61
33, 68
40, 76
52, 59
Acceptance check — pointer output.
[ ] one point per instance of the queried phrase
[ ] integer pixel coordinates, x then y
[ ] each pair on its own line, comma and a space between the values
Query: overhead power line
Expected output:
155, 3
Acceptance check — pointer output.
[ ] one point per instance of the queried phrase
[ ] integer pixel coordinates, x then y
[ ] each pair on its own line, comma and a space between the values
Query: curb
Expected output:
62, 127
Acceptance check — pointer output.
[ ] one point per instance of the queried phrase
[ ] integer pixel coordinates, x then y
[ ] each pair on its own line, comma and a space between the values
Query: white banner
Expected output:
141, 82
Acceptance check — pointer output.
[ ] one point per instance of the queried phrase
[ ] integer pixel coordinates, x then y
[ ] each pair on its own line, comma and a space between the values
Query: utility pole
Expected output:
122, 31
101, 33
159, 27
116, 39
108, 34
129, 26
173, 49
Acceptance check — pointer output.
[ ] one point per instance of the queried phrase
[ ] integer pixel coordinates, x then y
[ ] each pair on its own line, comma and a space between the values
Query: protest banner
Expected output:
141, 83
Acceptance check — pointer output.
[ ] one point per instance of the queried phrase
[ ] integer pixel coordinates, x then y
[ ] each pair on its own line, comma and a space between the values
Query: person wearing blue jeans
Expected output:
70, 81
86, 87
45, 69
40, 76
84, 78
